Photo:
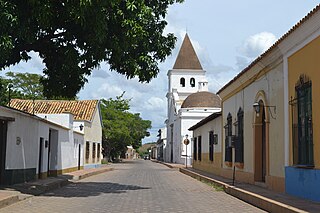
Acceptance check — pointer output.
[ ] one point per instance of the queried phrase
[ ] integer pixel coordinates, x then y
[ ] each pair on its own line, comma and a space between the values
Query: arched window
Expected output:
239, 134
192, 82
182, 82
228, 134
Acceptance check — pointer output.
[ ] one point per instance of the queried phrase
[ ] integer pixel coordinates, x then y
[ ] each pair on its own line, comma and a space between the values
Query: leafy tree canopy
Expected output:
121, 127
73, 37
21, 85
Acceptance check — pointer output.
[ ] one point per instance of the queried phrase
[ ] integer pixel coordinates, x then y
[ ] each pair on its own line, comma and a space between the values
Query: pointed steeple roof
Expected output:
187, 57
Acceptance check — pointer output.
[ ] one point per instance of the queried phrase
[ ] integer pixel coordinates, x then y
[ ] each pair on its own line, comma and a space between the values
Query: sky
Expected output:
227, 35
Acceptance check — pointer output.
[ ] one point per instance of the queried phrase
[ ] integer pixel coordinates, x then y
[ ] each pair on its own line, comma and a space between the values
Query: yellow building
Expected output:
302, 67
269, 117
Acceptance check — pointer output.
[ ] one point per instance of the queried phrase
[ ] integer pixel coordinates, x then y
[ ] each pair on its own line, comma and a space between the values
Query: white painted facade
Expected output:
23, 136
93, 134
203, 131
181, 119
92, 131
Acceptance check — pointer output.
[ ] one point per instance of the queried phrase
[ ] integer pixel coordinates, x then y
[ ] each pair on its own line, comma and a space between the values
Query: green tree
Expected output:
74, 37
25, 85
20, 85
121, 127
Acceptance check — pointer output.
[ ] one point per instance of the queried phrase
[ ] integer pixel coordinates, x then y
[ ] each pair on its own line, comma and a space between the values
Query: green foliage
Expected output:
74, 37
121, 128
27, 85
22, 85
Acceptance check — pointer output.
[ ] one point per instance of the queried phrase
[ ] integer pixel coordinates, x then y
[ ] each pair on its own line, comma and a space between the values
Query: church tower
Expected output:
186, 77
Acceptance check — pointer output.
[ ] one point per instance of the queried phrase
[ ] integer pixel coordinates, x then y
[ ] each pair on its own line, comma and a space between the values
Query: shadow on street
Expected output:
88, 189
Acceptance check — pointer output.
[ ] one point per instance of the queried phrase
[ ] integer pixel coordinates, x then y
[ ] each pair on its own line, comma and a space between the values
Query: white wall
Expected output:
175, 76
203, 131
29, 129
271, 84
25, 154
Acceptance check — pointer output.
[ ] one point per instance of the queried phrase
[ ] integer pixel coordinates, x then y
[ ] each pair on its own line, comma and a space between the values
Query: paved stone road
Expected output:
135, 186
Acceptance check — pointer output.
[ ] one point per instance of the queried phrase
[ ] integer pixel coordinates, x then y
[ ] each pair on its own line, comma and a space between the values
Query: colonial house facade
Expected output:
301, 51
188, 102
34, 147
87, 120
207, 152
269, 118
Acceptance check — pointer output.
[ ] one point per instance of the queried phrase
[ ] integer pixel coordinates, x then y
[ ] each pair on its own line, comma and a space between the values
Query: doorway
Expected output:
79, 157
260, 154
3, 145
40, 157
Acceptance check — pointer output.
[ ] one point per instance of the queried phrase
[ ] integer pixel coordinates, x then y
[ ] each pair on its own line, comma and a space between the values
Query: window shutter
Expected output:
195, 148
199, 148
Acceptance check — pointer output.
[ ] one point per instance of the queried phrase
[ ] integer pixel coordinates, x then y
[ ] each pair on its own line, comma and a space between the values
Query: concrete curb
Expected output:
249, 197
27, 190
7, 200
171, 166
80, 177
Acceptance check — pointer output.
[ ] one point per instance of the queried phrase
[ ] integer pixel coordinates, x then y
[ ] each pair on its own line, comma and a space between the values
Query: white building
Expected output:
188, 102
32, 147
87, 120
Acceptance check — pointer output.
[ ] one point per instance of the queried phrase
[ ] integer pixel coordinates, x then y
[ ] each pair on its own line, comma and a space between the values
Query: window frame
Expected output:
302, 126
195, 145
239, 146
199, 148
228, 133
211, 146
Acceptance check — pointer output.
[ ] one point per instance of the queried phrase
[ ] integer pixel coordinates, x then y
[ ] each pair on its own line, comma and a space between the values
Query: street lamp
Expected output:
186, 142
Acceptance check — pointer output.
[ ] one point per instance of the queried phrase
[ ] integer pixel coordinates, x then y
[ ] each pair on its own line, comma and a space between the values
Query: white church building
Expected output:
188, 102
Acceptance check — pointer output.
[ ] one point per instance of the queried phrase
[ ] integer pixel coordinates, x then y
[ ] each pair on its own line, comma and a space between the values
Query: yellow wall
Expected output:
306, 61
206, 165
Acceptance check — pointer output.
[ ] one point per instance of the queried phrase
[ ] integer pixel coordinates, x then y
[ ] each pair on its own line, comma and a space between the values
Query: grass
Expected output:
213, 185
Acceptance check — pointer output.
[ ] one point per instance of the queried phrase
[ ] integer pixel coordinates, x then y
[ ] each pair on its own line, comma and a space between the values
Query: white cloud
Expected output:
257, 44
242, 62
156, 103
100, 73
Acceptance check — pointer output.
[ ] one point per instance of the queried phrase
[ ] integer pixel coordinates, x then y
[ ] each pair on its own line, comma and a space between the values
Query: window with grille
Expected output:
195, 148
302, 133
199, 148
228, 134
93, 151
239, 141
87, 151
211, 145
98, 151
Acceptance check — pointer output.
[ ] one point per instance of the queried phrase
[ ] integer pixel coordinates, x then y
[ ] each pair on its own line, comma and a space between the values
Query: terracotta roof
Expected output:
82, 110
187, 57
205, 120
201, 100
309, 15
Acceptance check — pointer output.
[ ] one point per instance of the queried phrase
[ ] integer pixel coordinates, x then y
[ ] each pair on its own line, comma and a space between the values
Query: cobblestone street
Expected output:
135, 186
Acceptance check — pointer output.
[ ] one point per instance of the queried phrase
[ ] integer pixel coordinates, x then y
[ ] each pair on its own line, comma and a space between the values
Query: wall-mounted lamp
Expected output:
257, 107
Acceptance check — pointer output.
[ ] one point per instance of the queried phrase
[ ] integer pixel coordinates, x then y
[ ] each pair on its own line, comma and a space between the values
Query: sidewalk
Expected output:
18, 192
258, 196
